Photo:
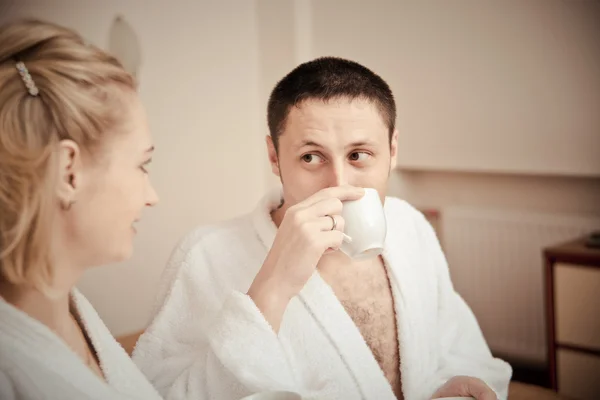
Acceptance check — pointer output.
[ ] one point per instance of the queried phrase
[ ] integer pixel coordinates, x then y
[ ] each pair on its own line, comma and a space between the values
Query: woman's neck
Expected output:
52, 312
56, 314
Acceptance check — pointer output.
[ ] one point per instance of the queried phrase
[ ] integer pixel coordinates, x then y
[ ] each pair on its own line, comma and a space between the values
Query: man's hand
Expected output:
465, 386
303, 236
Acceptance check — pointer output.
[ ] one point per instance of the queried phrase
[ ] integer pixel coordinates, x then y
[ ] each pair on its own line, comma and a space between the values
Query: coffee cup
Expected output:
366, 226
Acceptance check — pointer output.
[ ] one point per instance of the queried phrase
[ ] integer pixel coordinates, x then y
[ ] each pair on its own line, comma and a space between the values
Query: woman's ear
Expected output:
69, 172
273, 158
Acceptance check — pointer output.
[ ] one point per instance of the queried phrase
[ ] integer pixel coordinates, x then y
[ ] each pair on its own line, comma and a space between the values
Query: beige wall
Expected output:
278, 54
573, 196
511, 88
506, 86
200, 84
207, 71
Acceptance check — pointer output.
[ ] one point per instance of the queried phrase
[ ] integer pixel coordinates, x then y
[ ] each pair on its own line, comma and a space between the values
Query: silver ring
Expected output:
333, 220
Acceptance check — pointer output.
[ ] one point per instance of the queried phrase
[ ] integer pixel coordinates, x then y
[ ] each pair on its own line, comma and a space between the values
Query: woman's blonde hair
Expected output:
53, 86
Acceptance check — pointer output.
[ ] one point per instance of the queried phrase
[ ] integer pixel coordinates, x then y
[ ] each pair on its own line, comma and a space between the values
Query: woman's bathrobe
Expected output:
209, 341
36, 364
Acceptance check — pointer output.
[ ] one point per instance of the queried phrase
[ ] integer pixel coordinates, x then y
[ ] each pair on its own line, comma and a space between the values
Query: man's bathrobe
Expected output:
209, 341
35, 364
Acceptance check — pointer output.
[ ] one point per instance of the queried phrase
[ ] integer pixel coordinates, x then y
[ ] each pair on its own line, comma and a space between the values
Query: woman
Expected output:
74, 146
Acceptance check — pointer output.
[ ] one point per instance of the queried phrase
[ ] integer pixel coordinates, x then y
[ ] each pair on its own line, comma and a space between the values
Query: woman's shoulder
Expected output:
7, 386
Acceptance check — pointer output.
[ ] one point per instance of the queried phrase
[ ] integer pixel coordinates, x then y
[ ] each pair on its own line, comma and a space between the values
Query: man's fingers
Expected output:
333, 239
343, 193
480, 390
326, 223
332, 206
466, 386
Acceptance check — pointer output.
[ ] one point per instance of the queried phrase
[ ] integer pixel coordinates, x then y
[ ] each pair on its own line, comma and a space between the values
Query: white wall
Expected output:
200, 84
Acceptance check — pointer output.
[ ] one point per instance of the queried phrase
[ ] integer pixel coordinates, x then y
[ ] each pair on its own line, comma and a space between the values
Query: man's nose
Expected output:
338, 174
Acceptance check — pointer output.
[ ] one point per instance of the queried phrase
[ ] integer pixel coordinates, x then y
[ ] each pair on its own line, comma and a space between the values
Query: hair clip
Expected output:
27, 79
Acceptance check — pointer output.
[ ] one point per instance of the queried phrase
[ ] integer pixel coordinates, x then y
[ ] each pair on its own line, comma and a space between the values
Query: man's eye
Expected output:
311, 159
359, 156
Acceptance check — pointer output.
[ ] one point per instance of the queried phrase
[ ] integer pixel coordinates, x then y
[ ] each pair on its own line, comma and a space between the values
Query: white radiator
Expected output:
496, 264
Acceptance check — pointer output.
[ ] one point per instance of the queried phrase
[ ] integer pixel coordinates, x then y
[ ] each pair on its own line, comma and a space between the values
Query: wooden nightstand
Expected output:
573, 319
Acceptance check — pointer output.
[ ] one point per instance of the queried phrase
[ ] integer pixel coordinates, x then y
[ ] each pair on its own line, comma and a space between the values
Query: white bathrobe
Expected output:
36, 364
209, 341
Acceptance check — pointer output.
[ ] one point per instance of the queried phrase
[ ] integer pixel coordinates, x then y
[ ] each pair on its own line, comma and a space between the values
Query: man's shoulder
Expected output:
218, 249
208, 256
217, 234
404, 219
402, 211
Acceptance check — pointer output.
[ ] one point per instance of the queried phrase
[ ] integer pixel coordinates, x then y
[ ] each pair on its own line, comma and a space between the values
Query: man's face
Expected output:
333, 143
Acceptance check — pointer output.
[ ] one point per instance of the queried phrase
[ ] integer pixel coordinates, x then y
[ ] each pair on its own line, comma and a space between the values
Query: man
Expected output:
265, 302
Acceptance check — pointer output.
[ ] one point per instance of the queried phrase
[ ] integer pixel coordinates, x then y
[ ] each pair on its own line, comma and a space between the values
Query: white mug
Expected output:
366, 225
275, 395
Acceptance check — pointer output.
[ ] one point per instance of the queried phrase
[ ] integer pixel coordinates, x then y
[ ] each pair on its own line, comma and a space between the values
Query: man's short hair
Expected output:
325, 79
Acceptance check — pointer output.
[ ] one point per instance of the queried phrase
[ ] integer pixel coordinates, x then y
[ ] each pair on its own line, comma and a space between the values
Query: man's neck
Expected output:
278, 213
336, 264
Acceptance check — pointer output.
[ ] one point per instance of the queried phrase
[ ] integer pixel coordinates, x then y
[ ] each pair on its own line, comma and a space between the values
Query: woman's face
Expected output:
109, 190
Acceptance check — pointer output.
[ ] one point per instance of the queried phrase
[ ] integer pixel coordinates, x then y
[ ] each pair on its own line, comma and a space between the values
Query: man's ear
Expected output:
69, 174
394, 150
273, 158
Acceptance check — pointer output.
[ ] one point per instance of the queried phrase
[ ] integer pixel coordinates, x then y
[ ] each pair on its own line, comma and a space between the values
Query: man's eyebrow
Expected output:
361, 143
307, 143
